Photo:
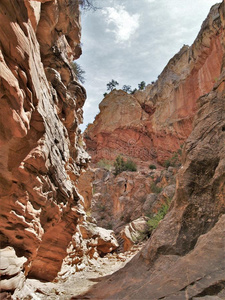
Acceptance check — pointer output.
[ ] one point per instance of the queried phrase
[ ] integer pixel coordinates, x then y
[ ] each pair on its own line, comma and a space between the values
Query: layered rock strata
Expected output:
153, 123
184, 258
41, 152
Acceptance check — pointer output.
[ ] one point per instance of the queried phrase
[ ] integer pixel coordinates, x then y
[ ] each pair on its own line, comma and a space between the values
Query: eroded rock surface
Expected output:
153, 123
184, 258
41, 152
11, 269
118, 200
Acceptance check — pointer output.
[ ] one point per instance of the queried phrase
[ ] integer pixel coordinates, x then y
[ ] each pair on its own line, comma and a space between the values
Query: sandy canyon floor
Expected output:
69, 283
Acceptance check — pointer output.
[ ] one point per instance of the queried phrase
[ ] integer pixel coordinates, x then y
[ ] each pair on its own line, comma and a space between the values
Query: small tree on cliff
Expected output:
127, 89
112, 85
87, 4
79, 72
142, 85
132, 92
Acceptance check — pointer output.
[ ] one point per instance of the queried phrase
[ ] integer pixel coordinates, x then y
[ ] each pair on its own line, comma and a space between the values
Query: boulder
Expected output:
11, 270
134, 232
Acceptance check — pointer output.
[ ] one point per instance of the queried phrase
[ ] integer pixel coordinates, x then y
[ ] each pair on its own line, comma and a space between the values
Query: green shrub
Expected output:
127, 89
133, 91
155, 189
167, 163
142, 86
154, 221
152, 167
130, 166
105, 163
175, 159
112, 85
121, 165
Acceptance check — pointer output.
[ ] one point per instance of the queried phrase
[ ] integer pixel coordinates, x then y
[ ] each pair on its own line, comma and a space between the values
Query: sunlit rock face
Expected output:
40, 145
184, 258
153, 123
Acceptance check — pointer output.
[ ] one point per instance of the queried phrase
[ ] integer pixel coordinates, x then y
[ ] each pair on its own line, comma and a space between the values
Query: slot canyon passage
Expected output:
134, 207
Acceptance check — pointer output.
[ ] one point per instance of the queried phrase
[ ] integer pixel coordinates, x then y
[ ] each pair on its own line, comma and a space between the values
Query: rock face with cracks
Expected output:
118, 200
184, 258
151, 124
40, 110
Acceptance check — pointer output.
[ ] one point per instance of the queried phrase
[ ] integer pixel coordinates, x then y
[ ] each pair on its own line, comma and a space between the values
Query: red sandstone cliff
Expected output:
151, 124
41, 158
40, 153
184, 258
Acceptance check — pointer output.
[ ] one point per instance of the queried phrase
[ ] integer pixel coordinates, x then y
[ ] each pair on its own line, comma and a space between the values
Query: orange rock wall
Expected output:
183, 259
40, 109
164, 110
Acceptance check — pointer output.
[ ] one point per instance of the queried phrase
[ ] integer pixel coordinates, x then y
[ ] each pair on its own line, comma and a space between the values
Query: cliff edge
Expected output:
152, 124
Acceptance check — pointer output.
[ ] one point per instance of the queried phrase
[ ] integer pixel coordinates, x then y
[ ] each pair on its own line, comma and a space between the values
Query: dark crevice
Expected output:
212, 290
7, 277
62, 155
19, 237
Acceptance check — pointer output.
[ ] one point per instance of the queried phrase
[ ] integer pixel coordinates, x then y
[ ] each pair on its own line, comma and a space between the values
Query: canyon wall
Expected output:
41, 152
184, 258
130, 195
151, 124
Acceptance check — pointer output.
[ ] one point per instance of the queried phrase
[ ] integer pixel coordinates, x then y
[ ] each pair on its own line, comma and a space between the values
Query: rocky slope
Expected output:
130, 199
41, 152
184, 258
153, 123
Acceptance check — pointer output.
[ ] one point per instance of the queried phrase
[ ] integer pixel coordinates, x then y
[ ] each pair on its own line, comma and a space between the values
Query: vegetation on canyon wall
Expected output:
111, 86
60, 217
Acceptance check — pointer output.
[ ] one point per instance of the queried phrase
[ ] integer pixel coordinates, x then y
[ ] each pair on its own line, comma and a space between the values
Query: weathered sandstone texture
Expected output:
88, 244
11, 269
153, 123
119, 200
41, 152
184, 258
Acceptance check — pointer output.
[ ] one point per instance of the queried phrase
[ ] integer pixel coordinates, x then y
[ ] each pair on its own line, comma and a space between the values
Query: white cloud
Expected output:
124, 24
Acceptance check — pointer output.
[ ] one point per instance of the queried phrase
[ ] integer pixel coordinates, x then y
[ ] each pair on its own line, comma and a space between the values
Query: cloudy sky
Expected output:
132, 40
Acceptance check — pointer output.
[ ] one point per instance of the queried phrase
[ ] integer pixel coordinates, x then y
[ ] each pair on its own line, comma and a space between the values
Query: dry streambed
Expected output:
70, 283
